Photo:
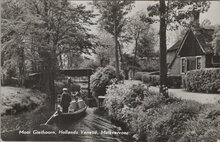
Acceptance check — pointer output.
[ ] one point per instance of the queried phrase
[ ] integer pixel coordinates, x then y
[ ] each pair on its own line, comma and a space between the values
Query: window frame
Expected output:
181, 65
197, 57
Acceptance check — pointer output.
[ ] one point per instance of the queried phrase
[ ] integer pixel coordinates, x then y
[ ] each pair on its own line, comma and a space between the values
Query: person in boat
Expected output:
69, 83
65, 100
76, 98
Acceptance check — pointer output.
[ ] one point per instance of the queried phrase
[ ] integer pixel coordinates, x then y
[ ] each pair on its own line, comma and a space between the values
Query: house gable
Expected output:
190, 46
194, 51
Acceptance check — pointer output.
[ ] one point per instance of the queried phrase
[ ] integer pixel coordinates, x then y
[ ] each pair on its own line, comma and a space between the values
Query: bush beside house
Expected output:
153, 79
151, 117
203, 80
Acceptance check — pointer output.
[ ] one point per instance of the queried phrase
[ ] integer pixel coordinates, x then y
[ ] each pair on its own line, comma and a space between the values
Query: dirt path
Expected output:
203, 98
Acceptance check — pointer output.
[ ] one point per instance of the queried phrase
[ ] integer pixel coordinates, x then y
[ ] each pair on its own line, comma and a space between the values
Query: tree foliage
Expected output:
41, 30
113, 20
146, 46
216, 40
113, 11
178, 12
105, 51
138, 31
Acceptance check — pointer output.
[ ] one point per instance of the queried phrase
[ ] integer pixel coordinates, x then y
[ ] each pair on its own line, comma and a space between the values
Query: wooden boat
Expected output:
73, 114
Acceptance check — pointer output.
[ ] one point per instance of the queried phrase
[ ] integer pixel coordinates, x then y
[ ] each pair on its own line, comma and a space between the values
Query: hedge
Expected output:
204, 80
138, 76
153, 79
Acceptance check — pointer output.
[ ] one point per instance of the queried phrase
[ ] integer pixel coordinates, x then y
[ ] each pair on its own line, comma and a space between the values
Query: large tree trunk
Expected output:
135, 56
116, 58
21, 61
49, 61
121, 57
47, 76
61, 61
163, 47
120, 51
53, 71
116, 45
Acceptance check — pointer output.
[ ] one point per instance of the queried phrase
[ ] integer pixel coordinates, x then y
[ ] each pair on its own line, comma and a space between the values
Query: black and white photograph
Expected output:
110, 70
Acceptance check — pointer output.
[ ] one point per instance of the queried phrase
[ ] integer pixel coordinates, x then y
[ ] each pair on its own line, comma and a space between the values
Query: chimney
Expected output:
195, 19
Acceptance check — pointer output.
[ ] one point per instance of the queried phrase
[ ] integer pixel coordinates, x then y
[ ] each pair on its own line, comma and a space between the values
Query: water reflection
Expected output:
82, 130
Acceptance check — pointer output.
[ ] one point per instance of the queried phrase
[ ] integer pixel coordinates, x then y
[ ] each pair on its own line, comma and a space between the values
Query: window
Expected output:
183, 65
198, 62
191, 63
216, 59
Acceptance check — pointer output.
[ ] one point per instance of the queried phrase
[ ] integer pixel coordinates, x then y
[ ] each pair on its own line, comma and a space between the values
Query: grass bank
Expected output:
22, 109
25, 121
17, 100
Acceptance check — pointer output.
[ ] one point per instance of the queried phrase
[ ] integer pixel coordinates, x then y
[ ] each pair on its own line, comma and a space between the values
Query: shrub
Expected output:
101, 79
151, 79
174, 81
205, 128
124, 98
155, 118
154, 80
204, 80
138, 76
150, 64
163, 121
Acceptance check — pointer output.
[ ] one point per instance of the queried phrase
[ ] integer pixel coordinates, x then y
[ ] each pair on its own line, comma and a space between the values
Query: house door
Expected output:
191, 64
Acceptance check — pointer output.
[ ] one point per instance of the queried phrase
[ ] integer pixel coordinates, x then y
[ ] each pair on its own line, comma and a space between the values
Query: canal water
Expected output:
94, 126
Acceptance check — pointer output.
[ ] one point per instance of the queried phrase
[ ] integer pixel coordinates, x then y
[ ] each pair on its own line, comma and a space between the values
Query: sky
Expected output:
212, 14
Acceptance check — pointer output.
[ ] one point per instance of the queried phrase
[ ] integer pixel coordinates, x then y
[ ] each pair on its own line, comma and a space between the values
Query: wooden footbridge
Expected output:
80, 73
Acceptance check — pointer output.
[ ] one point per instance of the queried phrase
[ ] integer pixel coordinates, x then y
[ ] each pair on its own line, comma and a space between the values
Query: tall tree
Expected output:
113, 20
105, 52
13, 37
137, 31
179, 13
173, 14
136, 28
146, 45
52, 28
163, 46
